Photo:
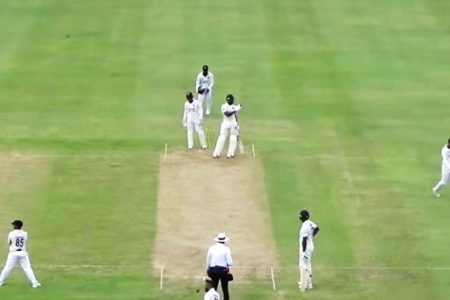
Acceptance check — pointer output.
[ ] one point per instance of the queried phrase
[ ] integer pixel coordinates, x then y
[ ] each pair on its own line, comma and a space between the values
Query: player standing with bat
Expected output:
306, 247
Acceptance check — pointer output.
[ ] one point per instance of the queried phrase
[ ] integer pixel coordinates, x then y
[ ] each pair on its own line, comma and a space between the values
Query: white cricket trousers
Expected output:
207, 99
445, 179
227, 128
18, 258
306, 266
190, 126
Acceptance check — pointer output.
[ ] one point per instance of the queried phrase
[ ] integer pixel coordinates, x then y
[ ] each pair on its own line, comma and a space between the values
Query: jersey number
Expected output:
19, 242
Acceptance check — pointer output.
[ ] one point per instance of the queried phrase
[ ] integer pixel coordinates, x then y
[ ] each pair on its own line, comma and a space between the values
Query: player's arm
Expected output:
197, 82
9, 240
446, 158
208, 259
185, 116
235, 109
316, 230
304, 243
229, 258
212, 81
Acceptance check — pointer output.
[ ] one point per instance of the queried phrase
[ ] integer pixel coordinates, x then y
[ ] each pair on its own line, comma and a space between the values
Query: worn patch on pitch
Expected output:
198, 197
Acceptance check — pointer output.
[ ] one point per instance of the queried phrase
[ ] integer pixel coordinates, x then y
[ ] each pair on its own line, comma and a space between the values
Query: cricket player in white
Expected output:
203, 86
229, 127
17, 241
192, 119
210, 291
445, 171
306, 247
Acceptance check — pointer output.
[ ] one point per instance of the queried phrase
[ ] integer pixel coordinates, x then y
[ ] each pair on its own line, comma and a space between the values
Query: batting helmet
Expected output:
230, 99
303, 215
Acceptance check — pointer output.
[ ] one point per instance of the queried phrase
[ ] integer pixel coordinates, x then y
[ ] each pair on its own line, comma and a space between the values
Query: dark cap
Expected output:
229, 97
189, 95
17, 223
205, 68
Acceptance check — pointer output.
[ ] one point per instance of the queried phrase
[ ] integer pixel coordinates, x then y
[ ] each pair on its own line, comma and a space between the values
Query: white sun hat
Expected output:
221, 238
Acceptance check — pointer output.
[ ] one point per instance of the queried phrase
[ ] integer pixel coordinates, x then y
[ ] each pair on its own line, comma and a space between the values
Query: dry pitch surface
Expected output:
199, 197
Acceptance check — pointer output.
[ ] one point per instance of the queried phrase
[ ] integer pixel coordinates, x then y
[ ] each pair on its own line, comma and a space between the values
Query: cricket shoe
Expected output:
204, 147
230, 156
208, 112
1, 284
36, 285
436, 193
215, 156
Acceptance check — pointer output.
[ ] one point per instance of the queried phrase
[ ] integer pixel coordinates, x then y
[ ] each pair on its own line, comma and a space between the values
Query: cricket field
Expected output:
346, 102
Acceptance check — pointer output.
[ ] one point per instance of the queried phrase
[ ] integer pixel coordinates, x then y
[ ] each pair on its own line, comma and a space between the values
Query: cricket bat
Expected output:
240, 145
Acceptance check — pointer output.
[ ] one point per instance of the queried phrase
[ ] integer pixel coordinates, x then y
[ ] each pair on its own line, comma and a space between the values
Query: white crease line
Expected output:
387, 268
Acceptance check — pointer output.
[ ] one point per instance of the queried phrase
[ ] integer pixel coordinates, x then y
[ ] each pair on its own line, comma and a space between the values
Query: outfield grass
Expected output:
346, 102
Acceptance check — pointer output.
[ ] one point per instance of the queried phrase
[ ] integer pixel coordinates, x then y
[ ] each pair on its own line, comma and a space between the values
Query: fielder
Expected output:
192, 119
306, 247
229, 127
445, 170
203, 86
17, 240
210, 291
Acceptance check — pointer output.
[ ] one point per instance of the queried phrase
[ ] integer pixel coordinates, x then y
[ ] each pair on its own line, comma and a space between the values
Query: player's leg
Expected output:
309, 284
224, 284
201, 135
214, 277
11, 262
445, 178
224, 131
208, 100
201, 99
233, 141
304, 274
190, 134
24, 262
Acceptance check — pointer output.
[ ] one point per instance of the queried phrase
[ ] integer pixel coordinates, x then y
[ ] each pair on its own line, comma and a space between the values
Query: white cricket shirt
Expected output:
205, 82
229, 108
212, 295
219, 255
17, 240
193, 112
445, 157
307, 231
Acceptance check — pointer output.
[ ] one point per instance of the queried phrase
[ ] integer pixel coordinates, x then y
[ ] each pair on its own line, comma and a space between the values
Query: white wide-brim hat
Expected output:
221, 238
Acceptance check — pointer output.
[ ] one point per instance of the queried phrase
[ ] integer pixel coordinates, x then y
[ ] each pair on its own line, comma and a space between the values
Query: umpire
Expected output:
218, 261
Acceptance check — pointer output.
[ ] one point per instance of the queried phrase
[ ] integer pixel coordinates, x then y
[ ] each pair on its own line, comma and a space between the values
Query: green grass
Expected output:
345, 101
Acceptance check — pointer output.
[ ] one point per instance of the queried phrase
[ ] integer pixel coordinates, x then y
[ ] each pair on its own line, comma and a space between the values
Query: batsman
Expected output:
229, 127
306, 247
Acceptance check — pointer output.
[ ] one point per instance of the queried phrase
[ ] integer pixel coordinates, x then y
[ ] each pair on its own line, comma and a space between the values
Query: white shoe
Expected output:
230, 156
1, 284
436, 193
208, 112
204, 147
215, 156
36, 285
